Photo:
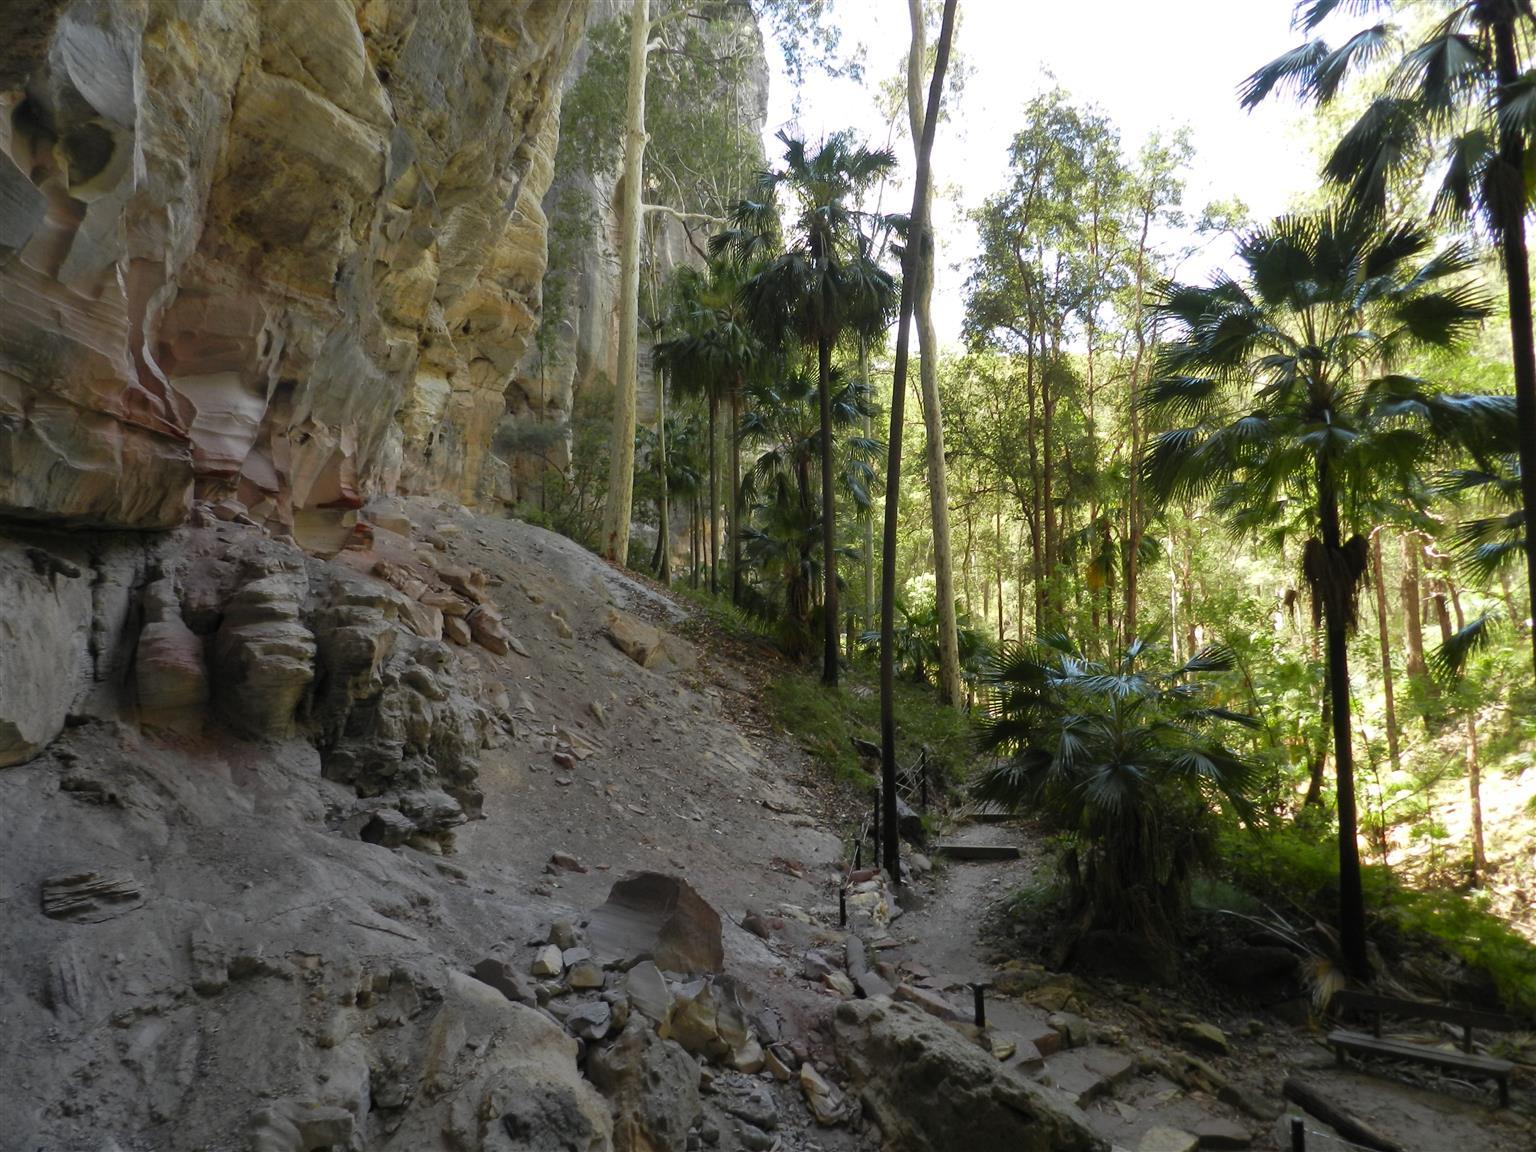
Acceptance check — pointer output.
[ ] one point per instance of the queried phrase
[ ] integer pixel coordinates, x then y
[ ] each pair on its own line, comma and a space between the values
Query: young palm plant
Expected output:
1128, 761
1465, 91
1281, 383
823, 286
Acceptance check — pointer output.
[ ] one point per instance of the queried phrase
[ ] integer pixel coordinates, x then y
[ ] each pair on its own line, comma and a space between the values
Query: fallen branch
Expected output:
1347, 1126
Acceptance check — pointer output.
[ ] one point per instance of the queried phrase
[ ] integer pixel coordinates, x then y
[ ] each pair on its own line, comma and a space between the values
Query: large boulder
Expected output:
652, 1085
647, 646
653, 916
931, 1091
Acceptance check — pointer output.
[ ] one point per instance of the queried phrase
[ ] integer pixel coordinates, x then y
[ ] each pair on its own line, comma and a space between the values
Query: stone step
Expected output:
979, 851
1087, 1074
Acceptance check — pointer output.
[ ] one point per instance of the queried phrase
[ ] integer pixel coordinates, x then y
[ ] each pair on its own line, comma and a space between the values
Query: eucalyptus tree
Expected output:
821, 286
710, 40
1464, 91
1054, 254
1280, 382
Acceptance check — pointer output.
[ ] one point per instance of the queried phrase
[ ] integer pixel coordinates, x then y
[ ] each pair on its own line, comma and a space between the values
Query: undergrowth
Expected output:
1295, 867
823, 720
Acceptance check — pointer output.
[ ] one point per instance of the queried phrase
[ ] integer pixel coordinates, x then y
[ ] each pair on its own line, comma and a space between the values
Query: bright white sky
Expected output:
1148, 64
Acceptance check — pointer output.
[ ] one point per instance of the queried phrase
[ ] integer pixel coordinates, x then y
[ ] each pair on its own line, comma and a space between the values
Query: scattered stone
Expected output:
565, 760
590, 1021
562, 629
1003, 1048
564, 862
456, 631
647, 646
873, 985
654, 916
647, 991
752, 1103
562, 934
825, 1101
1163, 1139
777, 1067
754, 1138
321, 1126
571, 956
1206, 1037
584, 974
919, 864
1072, 1029
501, 976
761, 926
839, 983
90, 897
548, 962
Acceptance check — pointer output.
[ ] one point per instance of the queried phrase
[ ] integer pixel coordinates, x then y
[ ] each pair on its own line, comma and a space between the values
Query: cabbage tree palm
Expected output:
783, 425
1462, 92
1127, 760
713, 354
821, 287
1280, 383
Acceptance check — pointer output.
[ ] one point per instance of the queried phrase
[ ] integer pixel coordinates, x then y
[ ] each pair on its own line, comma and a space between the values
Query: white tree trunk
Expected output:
621, 448
928, 350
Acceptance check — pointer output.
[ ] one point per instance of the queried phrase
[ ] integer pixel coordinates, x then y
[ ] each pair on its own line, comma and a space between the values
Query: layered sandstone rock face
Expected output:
288, 251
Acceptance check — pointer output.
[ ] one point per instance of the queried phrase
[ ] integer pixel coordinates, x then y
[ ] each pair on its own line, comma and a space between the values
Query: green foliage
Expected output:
823, 721
1295, 867
1126, 760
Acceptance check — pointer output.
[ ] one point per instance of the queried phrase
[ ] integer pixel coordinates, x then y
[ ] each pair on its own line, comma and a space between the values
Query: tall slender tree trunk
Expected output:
714, 494
1351, 890
621, 446
869, 516
736, 510
1318, 763
1510, 199
1386, 649
1413, 609
829, 659
928, 374
891, 849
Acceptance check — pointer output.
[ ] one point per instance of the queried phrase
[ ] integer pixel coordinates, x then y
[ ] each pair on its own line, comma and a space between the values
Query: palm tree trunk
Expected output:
714, 495
869, 516
928, 375
1510, 193
829, 657
1386, 649
1351, 891
621, 447
736, 513
891, 849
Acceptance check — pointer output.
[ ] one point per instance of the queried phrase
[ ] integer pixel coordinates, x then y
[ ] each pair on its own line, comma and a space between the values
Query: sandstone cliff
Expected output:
288, 251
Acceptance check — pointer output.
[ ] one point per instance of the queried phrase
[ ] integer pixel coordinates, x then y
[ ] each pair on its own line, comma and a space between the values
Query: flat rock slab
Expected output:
980, 851
1222, 1134
90, 897
1162, 1139
1088, 1074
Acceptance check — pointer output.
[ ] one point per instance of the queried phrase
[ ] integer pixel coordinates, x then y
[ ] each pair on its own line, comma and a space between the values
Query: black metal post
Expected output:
842, 907
877, 823
979, 991
1298, 1134
858, 855
922, 776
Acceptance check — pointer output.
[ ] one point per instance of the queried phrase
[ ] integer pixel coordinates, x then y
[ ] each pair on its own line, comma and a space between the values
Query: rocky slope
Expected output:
309, 867
283, 250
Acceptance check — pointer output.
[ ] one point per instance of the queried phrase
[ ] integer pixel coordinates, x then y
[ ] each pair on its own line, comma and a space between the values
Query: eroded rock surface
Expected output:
288, 251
